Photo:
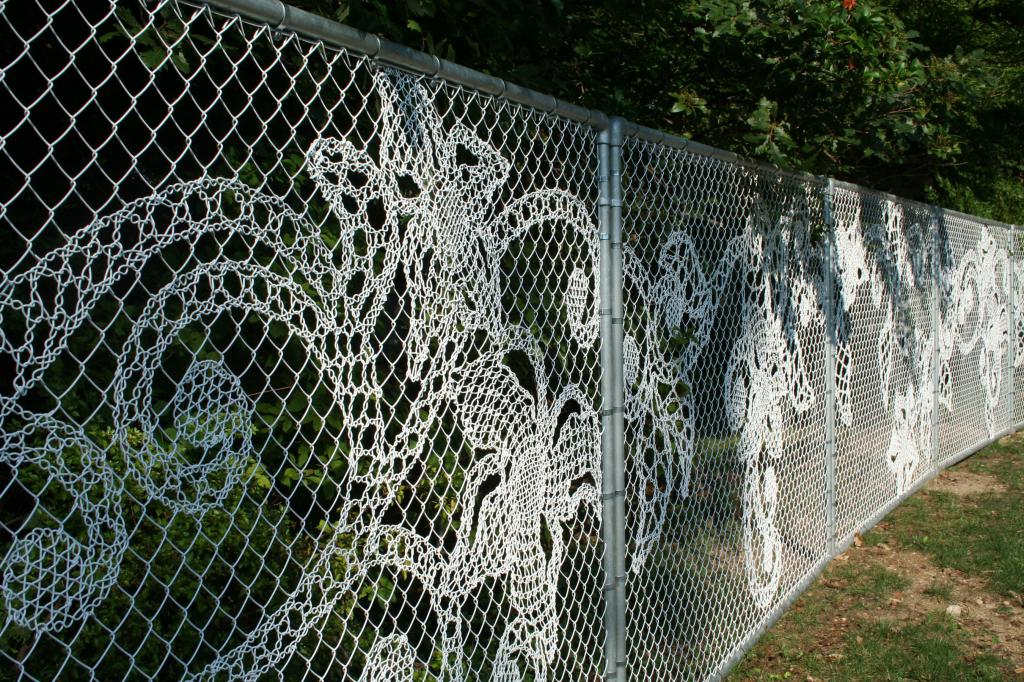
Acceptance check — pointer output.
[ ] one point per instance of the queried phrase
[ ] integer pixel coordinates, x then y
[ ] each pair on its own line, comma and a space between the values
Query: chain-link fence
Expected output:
325, 359
726, 348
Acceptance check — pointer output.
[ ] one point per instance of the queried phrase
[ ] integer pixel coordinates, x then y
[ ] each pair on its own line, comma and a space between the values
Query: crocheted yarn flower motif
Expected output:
422, 234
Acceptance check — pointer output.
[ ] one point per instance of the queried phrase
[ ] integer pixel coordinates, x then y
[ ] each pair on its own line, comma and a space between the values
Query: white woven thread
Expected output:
543, 447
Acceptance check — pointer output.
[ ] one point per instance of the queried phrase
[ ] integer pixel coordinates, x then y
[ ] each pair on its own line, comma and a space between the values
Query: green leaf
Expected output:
180, 62
153, 58
385, 590
289, 476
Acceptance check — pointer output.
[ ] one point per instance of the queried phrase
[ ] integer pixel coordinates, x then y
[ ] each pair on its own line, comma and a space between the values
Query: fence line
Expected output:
331, 359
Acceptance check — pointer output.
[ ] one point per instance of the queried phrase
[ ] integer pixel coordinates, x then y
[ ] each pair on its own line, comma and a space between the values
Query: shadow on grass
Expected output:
853, 624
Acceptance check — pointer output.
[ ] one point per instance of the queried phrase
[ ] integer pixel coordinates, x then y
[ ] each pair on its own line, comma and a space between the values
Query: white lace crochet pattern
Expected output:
733, 290
659, 409
877, 259
444, 252
765, 373
758, 281
767, 377
976, 320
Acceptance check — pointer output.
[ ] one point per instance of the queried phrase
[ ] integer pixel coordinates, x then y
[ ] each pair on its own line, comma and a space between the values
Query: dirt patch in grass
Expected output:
994, 624
934, 592
963, 483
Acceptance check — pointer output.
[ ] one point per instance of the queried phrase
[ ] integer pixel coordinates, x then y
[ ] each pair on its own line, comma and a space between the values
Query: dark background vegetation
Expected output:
920, 98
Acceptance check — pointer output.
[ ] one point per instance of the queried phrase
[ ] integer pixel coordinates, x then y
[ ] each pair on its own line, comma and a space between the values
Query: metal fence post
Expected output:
612, 427
607, 409
936, 339
618, 390
831, 332
1011, 324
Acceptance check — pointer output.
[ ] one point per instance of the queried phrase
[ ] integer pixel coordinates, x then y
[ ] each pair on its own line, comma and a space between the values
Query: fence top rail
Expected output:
853, 187
646, 134
285, 17
976, 219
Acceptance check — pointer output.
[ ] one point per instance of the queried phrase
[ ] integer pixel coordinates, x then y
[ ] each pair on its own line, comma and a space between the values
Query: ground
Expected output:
934, 592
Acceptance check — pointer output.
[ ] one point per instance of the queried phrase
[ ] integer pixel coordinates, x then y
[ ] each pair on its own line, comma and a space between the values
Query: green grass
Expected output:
982, 535
871, 585
935, 649
808, 641
941, 591
848, 626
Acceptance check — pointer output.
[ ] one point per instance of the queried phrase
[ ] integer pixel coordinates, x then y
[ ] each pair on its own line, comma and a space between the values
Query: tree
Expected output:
917, 100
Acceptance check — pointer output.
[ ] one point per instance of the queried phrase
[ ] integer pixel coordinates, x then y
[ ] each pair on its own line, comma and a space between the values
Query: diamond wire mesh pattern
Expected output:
975, 334
724, 371
1016, 247
737, 284
885, 383
301, 354
302, 368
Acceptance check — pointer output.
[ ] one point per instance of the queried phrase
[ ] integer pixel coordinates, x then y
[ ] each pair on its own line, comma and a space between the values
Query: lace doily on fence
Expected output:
536, 466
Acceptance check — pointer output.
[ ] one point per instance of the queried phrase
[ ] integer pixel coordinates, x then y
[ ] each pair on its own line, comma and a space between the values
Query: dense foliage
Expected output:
921, 99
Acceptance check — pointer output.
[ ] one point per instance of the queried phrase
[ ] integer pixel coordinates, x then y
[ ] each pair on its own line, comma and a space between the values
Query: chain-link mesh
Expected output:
885, 383
725, 409
769, 341
301, 366
302, 375
1016, 247
974, 349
